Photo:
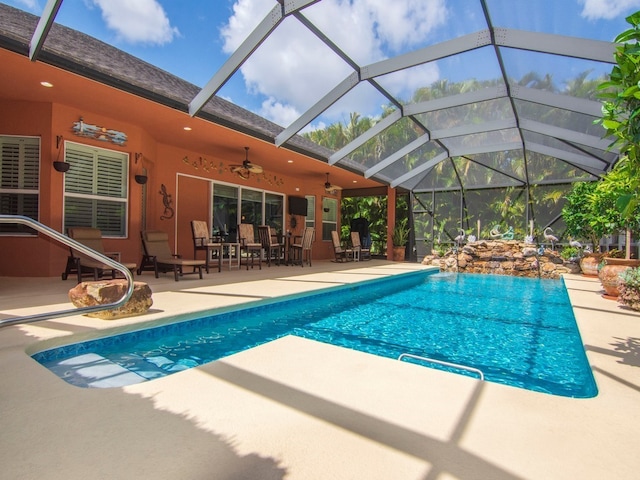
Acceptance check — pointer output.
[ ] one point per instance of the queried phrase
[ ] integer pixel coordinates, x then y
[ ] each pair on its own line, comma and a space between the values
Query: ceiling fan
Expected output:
246, 168
331, 189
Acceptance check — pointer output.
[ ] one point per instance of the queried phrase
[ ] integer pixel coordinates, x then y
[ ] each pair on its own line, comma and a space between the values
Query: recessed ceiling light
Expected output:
188, 129
46, 84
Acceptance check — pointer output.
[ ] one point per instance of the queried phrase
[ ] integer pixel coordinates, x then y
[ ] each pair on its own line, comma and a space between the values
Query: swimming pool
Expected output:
517, 331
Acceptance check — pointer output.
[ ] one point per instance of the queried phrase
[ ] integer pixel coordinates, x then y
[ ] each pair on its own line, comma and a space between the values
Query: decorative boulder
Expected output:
88, 294
503, 258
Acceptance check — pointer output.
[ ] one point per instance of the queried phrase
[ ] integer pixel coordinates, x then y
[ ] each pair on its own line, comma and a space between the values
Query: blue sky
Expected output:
193, 38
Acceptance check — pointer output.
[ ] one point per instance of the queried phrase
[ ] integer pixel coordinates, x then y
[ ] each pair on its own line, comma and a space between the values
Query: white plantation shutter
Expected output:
19, 180
96, 189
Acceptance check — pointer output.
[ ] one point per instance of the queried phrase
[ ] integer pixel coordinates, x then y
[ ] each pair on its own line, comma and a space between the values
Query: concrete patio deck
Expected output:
299, 409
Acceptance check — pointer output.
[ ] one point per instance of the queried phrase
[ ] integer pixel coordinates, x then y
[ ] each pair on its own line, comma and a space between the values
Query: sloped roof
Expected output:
79, 53
514, 104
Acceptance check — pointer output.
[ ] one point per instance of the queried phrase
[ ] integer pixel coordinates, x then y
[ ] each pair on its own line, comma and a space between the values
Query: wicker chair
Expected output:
248, 244
273, 248
299, 251
342, 254
359, 252
202, 240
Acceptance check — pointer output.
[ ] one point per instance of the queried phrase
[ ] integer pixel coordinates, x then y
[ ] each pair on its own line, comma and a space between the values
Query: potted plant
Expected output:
570, 258
629, 288
570, 254
399, 238
618, 191
610, 219
582, 223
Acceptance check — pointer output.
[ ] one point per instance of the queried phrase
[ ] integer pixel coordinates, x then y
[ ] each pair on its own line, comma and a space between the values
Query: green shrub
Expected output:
568, 253
400, 233
631, 277
629, 289
440, 249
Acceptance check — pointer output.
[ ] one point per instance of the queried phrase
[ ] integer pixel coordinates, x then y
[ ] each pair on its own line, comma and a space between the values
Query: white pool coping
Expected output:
299, 409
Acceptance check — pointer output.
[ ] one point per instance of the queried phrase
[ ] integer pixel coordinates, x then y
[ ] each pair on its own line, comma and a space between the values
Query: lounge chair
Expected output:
359, 252
273, 248
248, 244
84, 265
301, 249
157, 252
202, 240
342, 254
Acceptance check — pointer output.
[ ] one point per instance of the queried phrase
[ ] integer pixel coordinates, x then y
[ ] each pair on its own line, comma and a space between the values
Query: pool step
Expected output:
93, 371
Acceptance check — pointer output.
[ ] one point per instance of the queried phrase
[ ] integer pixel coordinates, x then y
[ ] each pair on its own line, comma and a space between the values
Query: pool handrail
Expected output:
446, 364
76, 246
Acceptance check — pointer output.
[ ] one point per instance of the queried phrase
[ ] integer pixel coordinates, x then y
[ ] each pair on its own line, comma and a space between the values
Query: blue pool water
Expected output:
517, 331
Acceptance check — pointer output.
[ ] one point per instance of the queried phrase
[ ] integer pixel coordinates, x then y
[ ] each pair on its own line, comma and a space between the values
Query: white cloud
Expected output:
247, 14
392, 20
294, 75
297, 73
277, 112
607, 9
404, 83
141, 21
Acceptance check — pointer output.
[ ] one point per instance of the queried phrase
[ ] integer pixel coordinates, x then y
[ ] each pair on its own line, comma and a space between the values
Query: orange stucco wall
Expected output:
184, 174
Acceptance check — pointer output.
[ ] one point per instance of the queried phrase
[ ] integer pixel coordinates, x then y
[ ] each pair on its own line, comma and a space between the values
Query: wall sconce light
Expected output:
141, 178
58, 165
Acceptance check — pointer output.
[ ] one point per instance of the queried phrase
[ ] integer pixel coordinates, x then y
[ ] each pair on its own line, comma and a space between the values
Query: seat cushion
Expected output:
181, 261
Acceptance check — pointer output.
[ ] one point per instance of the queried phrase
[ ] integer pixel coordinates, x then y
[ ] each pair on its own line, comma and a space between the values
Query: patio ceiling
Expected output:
503, 95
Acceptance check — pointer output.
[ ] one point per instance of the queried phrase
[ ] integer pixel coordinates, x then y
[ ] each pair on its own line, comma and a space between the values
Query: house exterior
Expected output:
114, 118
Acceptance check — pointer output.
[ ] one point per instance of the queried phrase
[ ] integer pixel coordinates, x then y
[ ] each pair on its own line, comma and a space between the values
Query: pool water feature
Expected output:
517, 331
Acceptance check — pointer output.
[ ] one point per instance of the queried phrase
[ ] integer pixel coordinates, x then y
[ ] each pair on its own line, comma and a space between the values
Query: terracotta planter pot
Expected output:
589, 265
398, 254
609, 275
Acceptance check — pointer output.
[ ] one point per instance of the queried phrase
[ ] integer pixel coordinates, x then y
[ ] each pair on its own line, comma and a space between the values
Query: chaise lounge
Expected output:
157, 253
84, 265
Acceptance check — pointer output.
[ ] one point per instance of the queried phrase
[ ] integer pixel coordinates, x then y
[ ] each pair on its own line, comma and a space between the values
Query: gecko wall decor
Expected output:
166, 200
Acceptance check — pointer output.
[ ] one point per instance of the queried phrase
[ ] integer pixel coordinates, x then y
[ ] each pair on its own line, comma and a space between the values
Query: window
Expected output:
310, 220
19, 180
329, 217
95, 189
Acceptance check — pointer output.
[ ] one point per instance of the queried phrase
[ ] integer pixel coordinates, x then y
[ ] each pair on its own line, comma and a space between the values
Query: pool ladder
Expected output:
80, 248
446, 364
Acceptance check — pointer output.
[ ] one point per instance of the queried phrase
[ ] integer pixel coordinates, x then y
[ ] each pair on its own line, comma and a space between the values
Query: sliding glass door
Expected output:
225, 211
251, 207
233, 205
274, 209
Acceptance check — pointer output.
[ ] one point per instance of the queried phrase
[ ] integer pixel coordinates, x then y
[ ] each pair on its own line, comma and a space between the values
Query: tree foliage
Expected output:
578, 214
454, 206
621, 111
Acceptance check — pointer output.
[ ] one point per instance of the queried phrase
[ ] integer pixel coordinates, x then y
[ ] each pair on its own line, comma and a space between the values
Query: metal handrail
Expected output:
70, 242
446, 364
